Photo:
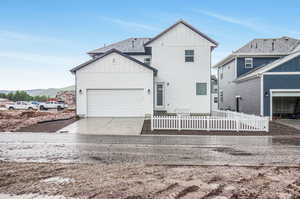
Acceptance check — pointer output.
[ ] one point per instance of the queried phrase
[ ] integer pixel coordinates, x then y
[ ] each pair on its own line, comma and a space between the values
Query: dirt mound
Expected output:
150, 182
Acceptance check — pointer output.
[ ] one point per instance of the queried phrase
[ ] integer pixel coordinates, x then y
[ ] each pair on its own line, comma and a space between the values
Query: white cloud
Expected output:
11, 35
253, 24
42, 59
130, 24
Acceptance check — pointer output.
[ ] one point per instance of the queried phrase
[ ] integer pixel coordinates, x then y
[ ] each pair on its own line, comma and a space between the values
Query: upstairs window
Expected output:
147, 60
248, 62
221, 96
189, 55
201, 88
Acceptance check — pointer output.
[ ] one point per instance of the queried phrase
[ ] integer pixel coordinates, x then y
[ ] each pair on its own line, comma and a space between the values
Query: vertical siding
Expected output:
113, 72
257, 62
278, 82
180, 77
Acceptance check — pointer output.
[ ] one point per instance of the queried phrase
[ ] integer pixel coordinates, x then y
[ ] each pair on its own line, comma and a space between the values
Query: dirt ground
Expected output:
52, 126
275, 129
86, 181
16, 119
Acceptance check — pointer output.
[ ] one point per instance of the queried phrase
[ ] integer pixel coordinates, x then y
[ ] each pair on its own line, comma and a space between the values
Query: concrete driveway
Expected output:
289, 122
106, 126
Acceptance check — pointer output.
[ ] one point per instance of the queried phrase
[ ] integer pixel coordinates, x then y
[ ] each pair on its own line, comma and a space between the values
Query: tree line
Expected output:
23, 96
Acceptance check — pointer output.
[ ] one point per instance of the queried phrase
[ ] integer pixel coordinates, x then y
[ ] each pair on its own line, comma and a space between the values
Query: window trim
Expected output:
221, 100
146, 62
206, 85
250, 64
187, 55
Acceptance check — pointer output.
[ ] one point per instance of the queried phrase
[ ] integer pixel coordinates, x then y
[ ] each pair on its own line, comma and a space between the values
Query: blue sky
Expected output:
41, 40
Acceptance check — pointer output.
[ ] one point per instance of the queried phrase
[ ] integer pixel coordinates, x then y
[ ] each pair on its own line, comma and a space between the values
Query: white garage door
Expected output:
115, 103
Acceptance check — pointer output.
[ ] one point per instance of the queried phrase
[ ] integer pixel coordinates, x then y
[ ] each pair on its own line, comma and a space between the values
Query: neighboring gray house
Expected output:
262, 78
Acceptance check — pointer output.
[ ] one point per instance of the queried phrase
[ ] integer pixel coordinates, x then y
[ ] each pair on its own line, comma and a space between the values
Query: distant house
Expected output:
214, 92
262, 77
168, 73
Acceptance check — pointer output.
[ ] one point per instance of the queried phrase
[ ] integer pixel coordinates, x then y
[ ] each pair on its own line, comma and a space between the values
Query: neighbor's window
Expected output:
201, 88
221, 96
189, 55
215, 99
147, 60
248, 62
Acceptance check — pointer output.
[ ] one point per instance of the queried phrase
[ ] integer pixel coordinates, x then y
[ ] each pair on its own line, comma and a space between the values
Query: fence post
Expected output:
208, 123
179, 122
152, 123
237, 125
267, 124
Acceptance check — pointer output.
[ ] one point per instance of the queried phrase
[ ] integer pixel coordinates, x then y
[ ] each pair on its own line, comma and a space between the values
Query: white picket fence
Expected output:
218, 121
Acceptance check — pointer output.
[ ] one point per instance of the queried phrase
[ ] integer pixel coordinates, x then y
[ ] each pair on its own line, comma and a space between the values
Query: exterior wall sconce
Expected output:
168, 83
80, 91
148, 91
266, 94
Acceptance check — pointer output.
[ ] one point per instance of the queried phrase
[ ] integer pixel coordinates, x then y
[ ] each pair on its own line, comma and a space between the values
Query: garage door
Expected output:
115, 103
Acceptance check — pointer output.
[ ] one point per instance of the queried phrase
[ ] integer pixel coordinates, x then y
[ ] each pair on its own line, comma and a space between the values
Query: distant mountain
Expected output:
51, 92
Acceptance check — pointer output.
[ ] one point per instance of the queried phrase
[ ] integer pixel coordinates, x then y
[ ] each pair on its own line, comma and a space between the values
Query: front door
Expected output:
160, 95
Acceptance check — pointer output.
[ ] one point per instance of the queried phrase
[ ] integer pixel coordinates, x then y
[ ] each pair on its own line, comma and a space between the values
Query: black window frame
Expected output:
198, 86
189, 55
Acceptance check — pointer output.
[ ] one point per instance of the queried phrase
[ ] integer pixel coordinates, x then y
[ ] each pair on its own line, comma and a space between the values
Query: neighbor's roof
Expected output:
186, 24
260, 70
131, 45
264, 47
283, 45
109, 52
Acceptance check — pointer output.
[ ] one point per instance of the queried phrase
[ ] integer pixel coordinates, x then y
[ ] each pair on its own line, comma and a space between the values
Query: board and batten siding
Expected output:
180, 77
114, 72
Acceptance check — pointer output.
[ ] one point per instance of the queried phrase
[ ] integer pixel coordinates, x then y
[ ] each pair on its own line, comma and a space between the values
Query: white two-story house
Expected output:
168, 73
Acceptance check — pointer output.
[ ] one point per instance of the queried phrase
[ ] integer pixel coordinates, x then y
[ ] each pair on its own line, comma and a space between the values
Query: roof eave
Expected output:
189, 26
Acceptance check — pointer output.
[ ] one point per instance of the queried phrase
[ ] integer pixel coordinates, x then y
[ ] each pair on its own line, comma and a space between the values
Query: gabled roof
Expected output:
260, 70
186, 24
109, 52
264, 48
131, 45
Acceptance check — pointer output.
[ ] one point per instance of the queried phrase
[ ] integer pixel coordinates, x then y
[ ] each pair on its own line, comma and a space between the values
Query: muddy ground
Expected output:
52, 126
86, 181
275, 129
13, 120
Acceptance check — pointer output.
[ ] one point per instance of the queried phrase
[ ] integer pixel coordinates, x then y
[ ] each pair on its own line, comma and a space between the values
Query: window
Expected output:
215, 99
159, 95
189, 55
248, 62
221, 96
147, 60
201, 88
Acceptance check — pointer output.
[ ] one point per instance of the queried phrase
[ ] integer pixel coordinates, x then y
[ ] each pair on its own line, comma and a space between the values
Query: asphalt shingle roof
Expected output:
131, 45
283, 45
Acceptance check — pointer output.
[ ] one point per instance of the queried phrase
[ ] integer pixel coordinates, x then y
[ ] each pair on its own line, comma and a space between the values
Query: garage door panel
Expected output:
115, 103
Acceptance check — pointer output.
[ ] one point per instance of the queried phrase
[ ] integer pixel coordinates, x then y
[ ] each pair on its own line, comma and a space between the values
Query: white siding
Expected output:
227, 85
168, 54
114, 72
